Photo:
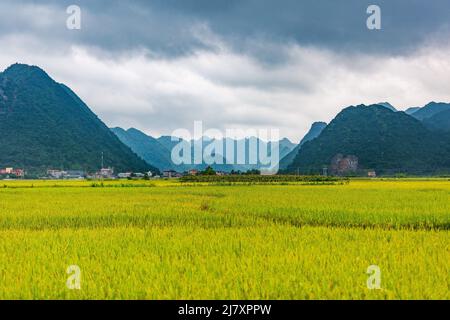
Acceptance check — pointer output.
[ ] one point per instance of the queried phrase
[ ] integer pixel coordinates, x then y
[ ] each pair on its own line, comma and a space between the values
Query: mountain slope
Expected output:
387, 105
286, 146
430, 110
43, 124
386, 141
167, 142
439, 122
412, 110
147, 147
157, 152
314, 132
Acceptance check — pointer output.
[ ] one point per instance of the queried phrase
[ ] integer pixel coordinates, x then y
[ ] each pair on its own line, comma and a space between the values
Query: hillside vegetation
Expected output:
43, 125
382, 140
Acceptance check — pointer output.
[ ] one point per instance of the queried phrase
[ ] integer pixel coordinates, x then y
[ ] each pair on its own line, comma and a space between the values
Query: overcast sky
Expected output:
160, 65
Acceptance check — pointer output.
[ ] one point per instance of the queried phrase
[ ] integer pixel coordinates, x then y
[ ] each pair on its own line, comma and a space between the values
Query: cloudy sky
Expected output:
160, 65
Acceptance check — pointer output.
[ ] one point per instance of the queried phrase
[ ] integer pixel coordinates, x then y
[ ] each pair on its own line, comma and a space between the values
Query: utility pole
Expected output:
102, 161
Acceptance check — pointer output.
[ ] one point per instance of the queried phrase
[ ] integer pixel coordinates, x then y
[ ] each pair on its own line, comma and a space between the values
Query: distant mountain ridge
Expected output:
315, 130
430, 110
157, 152
382, 140
440, 122
145, 146
44, 124
387, 105
435, 116
412, 110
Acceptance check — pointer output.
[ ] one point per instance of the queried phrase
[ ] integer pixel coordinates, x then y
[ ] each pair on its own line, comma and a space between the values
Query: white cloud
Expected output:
228, 89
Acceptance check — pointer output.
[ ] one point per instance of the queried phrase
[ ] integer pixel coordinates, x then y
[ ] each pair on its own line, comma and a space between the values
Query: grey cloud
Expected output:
160, 65
165, 26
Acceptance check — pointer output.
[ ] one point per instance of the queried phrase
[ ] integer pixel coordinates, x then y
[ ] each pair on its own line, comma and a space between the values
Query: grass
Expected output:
167, 240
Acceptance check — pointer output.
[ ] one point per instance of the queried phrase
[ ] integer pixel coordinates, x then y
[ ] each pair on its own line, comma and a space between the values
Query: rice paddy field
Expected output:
173, 240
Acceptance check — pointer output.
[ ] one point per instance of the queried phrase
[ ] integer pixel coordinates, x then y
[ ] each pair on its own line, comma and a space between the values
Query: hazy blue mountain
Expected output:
387, 105
44, 124
286, 147
158, 151
389, 142
147, 147
412, 110
439, 122
430, 110
168, 142
314, 132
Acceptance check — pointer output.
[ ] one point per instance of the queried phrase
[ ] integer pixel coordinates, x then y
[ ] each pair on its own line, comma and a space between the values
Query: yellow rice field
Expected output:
167, 240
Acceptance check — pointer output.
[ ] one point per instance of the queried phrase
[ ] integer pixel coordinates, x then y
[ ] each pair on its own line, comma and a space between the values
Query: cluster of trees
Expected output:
266, 179
209, 171
248, 172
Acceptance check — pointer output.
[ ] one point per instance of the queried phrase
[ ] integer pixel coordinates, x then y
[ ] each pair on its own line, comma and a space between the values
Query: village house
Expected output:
171, 174
69, 174
127, 175
105, 173
56, 174
74, 174
12, 172
124, 175
193, 172
139, 175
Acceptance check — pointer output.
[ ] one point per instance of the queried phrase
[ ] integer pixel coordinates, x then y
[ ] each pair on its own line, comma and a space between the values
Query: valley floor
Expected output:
166, 240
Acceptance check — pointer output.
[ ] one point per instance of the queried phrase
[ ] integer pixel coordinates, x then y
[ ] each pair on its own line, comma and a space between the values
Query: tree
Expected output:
209, 171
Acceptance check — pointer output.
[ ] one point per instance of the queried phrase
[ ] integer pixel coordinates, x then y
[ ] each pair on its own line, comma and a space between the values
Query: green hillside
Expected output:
388, 142
439, 122
43, 124
314, 132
